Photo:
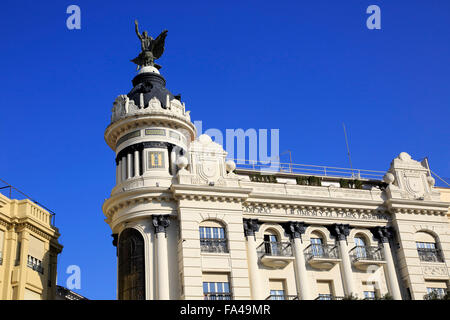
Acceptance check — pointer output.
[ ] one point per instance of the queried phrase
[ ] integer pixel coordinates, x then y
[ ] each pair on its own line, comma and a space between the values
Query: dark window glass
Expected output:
131, 266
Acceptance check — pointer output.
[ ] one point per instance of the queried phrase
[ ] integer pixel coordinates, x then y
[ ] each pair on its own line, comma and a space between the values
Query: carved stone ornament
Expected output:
160, 222
295, 229
250, 226
383, 234
340, 231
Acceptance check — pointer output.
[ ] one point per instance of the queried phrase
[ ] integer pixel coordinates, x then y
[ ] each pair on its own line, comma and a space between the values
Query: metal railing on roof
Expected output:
307, 169
12, 192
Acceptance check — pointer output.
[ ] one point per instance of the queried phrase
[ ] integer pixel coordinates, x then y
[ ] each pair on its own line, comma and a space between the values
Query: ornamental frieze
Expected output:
435, 271
318, 212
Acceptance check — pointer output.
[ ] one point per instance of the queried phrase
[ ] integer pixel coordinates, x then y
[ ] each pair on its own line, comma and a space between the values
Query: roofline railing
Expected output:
326, 171
11, 188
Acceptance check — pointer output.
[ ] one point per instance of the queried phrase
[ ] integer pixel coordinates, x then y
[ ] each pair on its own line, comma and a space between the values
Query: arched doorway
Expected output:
131, 266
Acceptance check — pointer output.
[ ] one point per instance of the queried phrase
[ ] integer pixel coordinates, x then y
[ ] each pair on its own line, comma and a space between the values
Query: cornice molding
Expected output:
417, 207
209, 193
133, 197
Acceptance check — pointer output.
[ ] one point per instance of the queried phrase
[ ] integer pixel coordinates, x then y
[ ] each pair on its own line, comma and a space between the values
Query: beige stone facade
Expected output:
28, 251
198, 228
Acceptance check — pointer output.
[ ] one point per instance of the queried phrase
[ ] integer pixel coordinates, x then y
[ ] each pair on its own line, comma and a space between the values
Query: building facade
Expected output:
28, 251
188, 224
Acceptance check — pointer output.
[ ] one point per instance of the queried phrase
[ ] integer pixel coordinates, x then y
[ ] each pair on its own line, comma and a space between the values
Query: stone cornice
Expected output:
209, 193
285, 199
29, 223
417, 206
135, 196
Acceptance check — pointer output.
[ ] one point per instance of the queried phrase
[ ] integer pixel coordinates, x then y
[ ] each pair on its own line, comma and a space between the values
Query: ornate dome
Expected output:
151, 85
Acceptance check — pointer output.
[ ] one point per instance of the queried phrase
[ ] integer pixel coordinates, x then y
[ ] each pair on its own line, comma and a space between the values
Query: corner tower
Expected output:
149, 130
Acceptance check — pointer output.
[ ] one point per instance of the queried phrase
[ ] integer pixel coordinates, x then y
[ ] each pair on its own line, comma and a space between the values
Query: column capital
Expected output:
340, 231
383, 234
160, 222
250, 226
295, 229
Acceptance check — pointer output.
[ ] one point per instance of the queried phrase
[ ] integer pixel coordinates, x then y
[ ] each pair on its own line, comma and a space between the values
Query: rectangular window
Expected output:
277, 289
325, 291
277, 294
216, 287
369, 290
18, 249
438, 288
428, 252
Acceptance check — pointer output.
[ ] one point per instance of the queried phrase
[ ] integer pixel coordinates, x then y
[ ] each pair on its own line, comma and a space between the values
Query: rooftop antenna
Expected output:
348, 149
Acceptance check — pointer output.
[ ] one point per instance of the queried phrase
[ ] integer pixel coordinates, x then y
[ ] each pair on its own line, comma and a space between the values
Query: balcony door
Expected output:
271, 244
361, 251
317, 247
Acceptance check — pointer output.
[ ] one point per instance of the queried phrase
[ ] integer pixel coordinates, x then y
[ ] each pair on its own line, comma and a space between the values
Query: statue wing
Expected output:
158, 47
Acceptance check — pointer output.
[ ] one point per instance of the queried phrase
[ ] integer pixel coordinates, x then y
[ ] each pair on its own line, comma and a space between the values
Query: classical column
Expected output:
136, 163
295, 231
161, 222
383, 234
123, 175
341, 231
118, 173
250, 227
129, 165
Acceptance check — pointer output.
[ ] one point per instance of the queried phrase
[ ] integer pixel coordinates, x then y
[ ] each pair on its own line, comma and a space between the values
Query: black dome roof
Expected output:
151, 85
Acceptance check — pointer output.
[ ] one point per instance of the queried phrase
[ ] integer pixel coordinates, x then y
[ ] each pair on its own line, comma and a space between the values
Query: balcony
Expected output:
365, 256
217, 296
35, 264
281, 297
275, 254
322, 256
214, 245
430, 255
328, 297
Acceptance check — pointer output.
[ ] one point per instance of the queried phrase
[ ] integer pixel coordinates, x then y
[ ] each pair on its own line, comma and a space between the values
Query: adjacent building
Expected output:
28, 251
188, 224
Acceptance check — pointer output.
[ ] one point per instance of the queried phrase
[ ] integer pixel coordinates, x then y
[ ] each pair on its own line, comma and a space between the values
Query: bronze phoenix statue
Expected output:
151, 49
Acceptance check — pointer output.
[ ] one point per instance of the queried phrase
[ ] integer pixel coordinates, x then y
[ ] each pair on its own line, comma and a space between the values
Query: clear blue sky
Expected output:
301, 66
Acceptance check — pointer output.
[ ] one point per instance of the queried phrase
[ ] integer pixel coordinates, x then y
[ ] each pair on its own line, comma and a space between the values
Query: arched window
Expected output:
213, 237
427, 247
131, 265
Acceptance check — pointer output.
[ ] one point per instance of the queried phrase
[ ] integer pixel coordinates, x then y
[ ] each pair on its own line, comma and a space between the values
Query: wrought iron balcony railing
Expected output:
430, 255
217, 296
324, 251
35, 264
214, 245
366, 253
271, 248
281, 297
328, 297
